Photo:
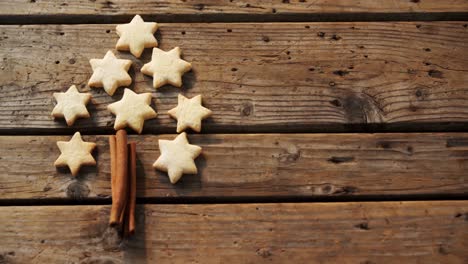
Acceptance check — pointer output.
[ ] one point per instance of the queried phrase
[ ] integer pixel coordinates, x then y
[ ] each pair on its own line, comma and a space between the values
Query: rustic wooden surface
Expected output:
264, 77
97, 11
255, 166
382, 232
278, 197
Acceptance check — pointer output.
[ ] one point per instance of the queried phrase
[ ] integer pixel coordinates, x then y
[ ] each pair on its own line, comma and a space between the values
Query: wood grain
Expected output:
269, 77
91, 11
383, 232
252, 166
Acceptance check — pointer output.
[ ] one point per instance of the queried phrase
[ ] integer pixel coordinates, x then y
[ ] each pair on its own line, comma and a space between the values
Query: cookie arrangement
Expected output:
109, 73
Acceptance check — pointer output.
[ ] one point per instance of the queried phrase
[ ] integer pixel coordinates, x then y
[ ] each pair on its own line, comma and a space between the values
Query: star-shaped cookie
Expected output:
110, 73
75, 153
177, 157
132, 110
71, 105
136, 36
189, 113
166, 67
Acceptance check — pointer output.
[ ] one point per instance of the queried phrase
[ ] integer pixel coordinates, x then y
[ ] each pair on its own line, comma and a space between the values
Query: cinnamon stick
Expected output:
124, 228
132, 188
123, 215
112, 147
121, 178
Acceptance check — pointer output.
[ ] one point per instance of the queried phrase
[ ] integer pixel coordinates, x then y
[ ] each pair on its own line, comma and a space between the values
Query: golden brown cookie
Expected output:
189, 113
110, 73
177, 157
132, 110
136, 36
166, 67
75, 153
71, 105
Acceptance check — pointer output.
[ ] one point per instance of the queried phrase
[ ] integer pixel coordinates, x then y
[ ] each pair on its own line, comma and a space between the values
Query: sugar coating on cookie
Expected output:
110, 73
71, 105
75, 153
189, 113
177, 157
166, 67
132, 110
136, 36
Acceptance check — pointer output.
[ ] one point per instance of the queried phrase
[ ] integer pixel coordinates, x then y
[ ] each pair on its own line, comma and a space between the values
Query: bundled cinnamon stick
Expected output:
123, 183
128, 227
120, 181
132, 190
112, 162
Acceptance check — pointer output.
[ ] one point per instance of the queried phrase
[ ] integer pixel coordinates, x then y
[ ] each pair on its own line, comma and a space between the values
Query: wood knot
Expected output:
7, 257
361, 109
409, 150
418, 93
291, 154
345, 190
326, 189
362, 226
338, 160
443, 250
336, 102
335, 37
264, 252
435, 74
341, 72
384, 144
247, 109
77, 190
462, 216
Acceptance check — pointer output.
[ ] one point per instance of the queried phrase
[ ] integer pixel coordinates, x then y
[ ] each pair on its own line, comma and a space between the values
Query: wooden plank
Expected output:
382, 232
269, 77
257, 165
82, 11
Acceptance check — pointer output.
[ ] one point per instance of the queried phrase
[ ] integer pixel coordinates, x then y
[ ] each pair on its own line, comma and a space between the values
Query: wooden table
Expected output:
332, 140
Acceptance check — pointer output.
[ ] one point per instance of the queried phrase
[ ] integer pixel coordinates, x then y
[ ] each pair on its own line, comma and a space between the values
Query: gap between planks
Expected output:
393, 128
233, 18
238, 200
